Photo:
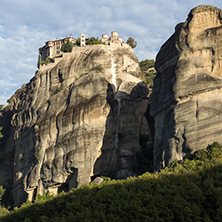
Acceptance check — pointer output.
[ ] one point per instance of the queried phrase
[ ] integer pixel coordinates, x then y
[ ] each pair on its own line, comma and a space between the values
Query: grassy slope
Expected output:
189, 191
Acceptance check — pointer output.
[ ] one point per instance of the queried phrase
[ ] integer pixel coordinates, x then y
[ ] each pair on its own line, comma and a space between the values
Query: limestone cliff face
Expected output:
67, 117
187, 93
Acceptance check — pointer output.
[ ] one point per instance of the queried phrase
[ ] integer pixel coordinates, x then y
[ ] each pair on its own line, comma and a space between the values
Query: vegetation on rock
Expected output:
4, 127
48, 60
39, 61
67, 47
187, 191
146, 64
1, 135
78, 40
148, 71
131, 41
93, 41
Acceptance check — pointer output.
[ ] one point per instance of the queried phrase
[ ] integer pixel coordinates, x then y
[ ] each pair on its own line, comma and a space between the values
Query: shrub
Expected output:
1, 135
146, 64
147, 75
78, 41
67, 47
93, 41
131, 41
48, 60
187, 191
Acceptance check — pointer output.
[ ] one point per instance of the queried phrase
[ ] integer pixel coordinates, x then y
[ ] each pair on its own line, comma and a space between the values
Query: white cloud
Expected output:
25, 25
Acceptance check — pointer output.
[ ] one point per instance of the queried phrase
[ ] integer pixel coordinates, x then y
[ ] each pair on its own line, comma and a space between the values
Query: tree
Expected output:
39, 61
93, 41
67, 47
131, 41
146, 64
78, 41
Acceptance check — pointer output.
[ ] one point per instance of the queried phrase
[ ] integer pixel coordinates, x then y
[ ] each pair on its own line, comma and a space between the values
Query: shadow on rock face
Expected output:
125, 123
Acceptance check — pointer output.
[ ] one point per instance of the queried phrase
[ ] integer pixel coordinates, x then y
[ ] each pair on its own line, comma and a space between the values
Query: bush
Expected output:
131, 41
48, 60
78, 41
1, 135
4, 127
187, 191
147, 75
67, 47
93, 41
146, 64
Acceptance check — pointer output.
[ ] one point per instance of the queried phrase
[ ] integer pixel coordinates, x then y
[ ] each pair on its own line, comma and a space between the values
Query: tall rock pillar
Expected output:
187, 95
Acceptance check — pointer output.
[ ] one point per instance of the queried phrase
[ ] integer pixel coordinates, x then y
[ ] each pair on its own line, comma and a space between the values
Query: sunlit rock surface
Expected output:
78, 118
187, 94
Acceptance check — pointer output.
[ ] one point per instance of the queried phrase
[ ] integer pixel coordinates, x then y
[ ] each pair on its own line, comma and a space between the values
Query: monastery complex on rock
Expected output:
53, 48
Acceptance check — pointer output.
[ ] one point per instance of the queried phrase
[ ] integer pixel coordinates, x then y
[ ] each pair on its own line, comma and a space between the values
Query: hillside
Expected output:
186, 191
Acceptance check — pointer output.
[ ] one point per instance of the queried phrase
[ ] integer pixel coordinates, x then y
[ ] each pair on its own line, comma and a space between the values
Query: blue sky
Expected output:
25, 25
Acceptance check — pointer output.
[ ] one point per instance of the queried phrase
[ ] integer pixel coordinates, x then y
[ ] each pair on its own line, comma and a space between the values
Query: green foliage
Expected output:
148, 71
93, 41
48, 60
1, 135
4, 128
44, 197
146, 64
39, 61
131, 41
1, 106
2, 191
212, 152
3, 211
187, 191
78, 41
67, 47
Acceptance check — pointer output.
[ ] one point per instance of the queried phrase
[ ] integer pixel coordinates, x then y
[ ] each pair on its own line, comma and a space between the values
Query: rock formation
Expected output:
78, 118
187, 94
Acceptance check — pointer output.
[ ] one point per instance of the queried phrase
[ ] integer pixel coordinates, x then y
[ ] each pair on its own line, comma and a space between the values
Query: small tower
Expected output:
105, 36
114, 33
83, 39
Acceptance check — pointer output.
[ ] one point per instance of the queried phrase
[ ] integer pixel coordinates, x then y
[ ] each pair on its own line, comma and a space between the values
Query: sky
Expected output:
25, 26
